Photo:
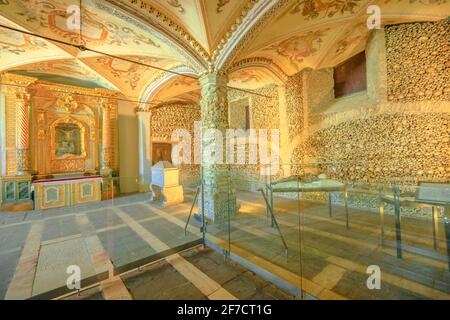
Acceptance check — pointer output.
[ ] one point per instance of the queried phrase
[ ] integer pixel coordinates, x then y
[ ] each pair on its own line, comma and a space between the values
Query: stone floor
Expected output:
109, 238
36, 248
161, 280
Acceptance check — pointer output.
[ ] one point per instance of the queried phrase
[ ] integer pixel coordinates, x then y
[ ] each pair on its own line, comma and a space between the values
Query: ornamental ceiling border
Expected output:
258, 16
260, 62
152, 88
59, 90
178, 37
235, 26
15, 79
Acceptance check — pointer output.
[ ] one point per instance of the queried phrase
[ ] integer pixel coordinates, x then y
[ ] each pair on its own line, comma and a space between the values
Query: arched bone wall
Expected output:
168, 118
397, 130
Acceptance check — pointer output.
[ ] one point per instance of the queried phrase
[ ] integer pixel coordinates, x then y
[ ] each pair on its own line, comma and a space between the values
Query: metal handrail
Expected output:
192, 208
274, 220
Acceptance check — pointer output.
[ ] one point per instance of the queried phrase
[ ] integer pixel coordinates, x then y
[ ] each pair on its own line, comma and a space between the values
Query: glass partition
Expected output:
337, 239
305, 228
102, 227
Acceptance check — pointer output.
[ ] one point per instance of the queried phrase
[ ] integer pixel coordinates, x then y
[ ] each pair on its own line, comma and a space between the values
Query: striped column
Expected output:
23, 134
106, 152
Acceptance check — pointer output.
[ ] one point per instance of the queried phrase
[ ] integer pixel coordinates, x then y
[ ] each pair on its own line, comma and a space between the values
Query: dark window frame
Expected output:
350, 76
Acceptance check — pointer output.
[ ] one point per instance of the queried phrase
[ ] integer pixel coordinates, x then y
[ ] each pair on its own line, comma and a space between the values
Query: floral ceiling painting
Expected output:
353, 38
251, 78
130, 73
165, 34
64, 68
176, 4
100, 28
178, 88
316, 9
17, 43
221, 4
296, 49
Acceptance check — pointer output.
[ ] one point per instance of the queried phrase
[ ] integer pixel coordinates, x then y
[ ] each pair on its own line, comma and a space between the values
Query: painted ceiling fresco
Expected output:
101, 28
251, 78
206, 20
322, 33
171, 33
71, 68
128, 76
180, 90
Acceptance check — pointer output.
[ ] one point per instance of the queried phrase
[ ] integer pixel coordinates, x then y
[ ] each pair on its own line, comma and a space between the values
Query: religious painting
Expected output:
68, 140
68, 150
313, 9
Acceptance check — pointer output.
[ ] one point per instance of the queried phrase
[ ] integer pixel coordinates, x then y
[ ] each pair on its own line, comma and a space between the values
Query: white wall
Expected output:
128, 146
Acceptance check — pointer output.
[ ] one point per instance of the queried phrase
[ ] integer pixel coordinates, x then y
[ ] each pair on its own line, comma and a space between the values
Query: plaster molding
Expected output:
260, 62
258, 15
170, 31
152, 88
60, 90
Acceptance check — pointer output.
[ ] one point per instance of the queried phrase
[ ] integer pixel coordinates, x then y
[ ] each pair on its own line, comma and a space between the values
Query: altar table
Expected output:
66, 192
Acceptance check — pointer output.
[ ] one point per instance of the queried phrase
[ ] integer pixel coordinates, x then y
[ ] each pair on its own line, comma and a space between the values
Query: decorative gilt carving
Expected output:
80, 104
106, 156
61, 91
221, 4
68, 104
17, 82
23, 160
176, 4
68, 165
41, 126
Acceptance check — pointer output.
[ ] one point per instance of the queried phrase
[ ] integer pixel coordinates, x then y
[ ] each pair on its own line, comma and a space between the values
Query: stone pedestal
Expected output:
166, 184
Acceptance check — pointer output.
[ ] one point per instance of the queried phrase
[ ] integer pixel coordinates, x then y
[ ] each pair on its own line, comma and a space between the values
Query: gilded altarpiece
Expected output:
68, 129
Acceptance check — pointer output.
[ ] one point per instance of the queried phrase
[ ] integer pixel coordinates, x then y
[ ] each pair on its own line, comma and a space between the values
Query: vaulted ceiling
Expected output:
259, 41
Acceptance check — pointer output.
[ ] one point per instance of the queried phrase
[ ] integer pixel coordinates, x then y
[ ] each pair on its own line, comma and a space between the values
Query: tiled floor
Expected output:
324, 258
94, 237
162, 281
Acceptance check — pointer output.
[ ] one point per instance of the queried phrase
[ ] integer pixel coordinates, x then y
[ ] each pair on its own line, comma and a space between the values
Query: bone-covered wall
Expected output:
404, 138
264, 114
364, 137
170, 117
418, 61
167, 119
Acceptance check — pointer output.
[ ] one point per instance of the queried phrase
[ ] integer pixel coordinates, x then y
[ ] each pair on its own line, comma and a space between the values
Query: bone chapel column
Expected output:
145, 150
219, 195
